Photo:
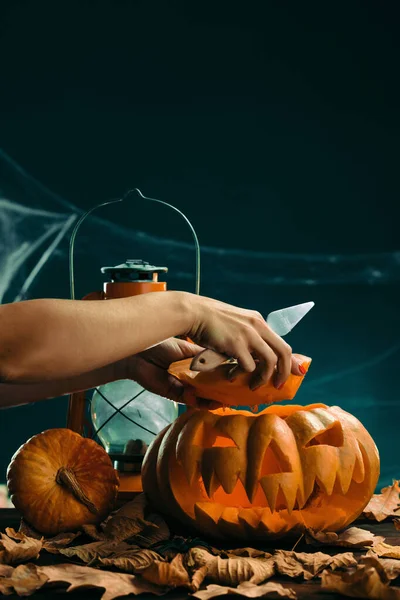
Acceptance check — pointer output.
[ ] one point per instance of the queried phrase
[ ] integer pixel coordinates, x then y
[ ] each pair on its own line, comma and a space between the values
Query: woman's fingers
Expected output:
266, 364
266, 370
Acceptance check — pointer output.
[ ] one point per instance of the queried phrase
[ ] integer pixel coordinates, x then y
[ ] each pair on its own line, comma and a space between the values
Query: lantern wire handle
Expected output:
140, 195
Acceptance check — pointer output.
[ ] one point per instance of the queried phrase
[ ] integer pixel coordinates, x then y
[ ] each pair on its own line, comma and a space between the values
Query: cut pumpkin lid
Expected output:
215, 385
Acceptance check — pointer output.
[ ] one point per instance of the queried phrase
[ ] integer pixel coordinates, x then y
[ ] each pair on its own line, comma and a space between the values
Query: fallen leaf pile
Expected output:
133, 552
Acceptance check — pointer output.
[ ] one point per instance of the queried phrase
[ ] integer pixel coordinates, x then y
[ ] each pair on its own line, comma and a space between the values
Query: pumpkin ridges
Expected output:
207, 516
164, 470
149, 477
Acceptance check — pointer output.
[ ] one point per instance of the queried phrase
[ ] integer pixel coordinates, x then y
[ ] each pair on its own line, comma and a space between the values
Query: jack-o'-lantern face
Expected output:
235, 474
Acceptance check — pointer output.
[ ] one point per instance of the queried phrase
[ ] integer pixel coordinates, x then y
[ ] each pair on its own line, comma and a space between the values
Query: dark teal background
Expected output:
273, 125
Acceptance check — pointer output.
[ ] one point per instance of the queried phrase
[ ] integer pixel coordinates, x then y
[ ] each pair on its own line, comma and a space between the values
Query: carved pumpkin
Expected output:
234, 474
215, 385
59, 481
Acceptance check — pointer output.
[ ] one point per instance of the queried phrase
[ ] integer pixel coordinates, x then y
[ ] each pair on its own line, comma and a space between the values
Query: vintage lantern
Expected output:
121, 415
124, 416
234, 474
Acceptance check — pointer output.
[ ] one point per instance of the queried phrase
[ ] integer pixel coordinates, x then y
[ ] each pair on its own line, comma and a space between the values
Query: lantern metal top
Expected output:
133, 270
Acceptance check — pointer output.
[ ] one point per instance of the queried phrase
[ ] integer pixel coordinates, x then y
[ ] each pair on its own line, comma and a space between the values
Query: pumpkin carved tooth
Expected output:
210, 480
190, 461
228, 467
322, 463
359, 467
250, 518
346, 470
230, 524
207, 516
288, 486
280, 482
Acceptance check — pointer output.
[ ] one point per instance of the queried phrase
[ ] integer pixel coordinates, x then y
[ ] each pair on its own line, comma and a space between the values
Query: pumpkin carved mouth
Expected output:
239, 474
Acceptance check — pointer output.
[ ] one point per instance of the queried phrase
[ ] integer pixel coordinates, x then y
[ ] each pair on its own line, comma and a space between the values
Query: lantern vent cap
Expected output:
132, 270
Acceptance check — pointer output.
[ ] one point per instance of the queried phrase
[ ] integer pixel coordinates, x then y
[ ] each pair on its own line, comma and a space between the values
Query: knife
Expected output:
280, 321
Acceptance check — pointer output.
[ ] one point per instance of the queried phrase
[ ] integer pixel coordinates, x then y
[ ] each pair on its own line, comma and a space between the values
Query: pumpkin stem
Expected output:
66, 477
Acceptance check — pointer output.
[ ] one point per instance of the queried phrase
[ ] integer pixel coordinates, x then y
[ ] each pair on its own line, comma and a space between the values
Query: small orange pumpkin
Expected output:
59, 480
233, 474
215, 385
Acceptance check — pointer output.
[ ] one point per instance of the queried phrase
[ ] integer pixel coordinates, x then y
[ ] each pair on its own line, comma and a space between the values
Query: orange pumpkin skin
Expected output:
233, 474
43, 500
215, 385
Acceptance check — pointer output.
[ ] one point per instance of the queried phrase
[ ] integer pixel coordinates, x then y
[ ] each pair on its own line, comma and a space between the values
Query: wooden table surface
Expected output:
307, 590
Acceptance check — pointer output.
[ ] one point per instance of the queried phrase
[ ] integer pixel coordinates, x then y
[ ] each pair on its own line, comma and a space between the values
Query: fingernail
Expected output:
280, 386
302, 370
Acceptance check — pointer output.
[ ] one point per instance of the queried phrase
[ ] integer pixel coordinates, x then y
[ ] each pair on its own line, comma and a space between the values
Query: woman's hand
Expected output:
244, 335
150, 370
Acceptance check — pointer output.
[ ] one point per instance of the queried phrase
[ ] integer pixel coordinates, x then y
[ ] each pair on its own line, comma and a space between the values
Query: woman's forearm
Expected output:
17, 394
47, 340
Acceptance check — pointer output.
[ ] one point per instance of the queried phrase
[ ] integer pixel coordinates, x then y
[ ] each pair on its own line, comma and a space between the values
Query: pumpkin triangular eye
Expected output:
333, 436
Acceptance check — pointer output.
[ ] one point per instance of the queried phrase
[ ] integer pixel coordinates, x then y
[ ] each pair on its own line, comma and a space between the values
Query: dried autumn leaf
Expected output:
132, 561
233, 570
353, 537
157, 531
56, 543
93, 532
89, 552
114, 584
384, 505
12, 552
6, 570
390, 566
128, 521
17, 535
62, 540
166, 574
365, 582
120, 528
24, 580
25, 528
246, 589
310, 565
386, 550
250, 552
135, 509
